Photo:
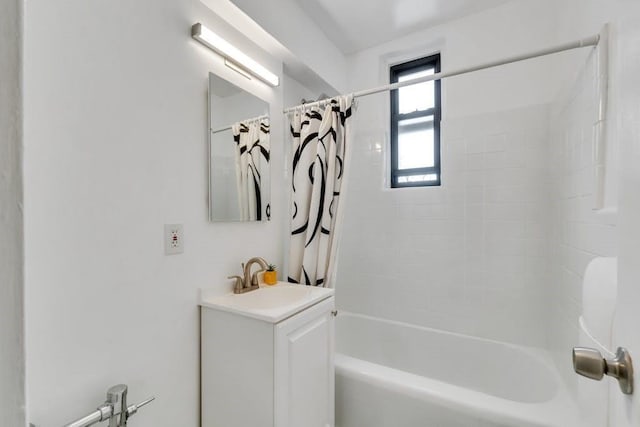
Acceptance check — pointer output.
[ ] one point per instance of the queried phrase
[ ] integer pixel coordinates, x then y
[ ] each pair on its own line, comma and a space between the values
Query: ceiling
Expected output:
353, 25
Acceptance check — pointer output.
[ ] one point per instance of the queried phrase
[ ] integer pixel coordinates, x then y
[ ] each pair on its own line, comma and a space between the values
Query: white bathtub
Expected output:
392, 374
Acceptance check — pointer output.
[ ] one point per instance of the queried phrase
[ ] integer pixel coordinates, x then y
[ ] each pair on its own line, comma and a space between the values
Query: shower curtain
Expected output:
252, 166
319, 147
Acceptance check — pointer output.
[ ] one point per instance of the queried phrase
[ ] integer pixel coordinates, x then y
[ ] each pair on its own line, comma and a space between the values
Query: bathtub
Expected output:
393, 374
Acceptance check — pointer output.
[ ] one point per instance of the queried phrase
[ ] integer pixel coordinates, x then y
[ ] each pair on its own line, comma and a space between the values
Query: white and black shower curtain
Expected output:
252, 168
319, 148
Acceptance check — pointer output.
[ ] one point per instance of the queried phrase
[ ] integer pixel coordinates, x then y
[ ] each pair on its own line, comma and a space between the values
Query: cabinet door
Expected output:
304, 380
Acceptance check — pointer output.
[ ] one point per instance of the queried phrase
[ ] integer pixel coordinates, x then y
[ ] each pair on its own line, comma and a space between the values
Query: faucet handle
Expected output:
254, 278
239, 283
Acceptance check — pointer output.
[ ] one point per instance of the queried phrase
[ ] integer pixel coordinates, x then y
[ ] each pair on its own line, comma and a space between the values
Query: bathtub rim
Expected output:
441, 332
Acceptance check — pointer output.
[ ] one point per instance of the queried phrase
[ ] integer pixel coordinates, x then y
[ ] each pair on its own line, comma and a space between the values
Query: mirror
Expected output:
239, 154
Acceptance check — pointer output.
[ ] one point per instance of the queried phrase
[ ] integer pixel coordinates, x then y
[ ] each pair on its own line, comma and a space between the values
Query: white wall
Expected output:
469, 256
115, 147
294, 92
493, 34
12, 370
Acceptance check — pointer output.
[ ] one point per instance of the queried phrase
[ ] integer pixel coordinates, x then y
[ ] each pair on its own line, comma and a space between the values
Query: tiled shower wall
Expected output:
469, 256
578, 232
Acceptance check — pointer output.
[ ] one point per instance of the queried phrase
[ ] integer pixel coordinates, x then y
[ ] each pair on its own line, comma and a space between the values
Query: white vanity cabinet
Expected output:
304, 374
266, 363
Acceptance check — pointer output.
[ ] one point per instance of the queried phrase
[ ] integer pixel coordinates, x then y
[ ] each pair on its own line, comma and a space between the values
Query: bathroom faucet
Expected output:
252, 280
248, 282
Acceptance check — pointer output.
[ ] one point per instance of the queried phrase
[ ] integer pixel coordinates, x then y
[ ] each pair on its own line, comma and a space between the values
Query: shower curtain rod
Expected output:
255, 119
578, 44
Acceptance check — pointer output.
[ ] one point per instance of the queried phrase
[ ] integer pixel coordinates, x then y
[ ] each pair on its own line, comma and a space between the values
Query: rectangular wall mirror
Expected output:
239, 154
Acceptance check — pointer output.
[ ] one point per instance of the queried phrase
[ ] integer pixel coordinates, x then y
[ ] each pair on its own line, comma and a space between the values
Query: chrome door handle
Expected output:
589, 363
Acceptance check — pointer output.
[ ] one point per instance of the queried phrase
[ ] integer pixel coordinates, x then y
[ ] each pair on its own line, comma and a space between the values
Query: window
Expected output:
415, 125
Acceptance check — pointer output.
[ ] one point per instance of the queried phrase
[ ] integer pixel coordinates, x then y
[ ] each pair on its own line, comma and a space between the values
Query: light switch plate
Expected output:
173, 239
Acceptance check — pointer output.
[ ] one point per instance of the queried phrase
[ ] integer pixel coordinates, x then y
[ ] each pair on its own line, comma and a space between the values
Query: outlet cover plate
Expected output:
173, 239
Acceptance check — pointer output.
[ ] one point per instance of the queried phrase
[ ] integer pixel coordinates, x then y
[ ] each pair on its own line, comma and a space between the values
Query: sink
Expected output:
269, 303
269, 298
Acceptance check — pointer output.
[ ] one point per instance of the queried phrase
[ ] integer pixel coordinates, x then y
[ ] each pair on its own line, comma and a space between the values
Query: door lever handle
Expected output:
589, 363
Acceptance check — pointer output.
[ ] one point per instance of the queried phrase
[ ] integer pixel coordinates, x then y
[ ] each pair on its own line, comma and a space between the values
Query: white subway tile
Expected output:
506, 237
495, 160
474, 145
493, 143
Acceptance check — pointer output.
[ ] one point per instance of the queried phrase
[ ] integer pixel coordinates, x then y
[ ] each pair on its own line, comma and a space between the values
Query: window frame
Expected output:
396, 71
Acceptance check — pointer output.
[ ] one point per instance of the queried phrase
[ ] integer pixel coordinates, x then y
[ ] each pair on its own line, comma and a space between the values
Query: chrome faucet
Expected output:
248, 282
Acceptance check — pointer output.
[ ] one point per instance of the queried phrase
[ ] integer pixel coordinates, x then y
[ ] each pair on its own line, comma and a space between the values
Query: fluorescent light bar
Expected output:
237, 68
232, 53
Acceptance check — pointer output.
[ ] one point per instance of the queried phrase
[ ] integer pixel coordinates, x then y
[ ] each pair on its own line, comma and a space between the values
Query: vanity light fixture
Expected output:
232, 54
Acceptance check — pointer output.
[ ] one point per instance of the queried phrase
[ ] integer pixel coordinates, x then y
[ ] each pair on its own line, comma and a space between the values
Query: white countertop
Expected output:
269, 303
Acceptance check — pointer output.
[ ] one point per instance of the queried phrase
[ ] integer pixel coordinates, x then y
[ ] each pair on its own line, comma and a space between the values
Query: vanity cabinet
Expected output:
304, 372
268, 371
